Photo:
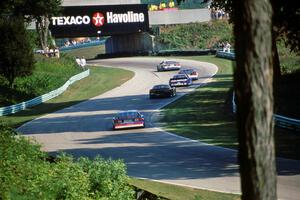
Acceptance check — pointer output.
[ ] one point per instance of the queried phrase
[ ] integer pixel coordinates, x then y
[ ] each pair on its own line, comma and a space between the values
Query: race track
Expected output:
85, 130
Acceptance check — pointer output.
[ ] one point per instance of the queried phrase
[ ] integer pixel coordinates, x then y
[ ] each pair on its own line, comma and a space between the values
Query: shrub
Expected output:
289, 61
107, 178
25, 173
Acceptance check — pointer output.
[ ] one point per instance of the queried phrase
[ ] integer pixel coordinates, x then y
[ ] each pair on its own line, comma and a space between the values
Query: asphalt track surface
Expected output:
85, 129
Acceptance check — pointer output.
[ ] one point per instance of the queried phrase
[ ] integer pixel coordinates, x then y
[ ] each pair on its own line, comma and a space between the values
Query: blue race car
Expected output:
180, 80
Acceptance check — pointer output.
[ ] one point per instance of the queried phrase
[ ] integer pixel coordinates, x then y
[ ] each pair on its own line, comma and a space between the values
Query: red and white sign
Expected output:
98, 19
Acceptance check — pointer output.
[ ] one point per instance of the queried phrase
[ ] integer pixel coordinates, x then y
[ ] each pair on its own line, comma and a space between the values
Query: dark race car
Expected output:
180, 80
168, 65
163, 90
128, 119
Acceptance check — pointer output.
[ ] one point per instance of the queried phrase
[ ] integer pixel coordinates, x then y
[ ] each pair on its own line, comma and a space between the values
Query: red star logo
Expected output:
98, 19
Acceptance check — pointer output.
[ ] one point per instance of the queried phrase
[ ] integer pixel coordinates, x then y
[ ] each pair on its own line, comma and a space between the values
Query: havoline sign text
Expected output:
78, 21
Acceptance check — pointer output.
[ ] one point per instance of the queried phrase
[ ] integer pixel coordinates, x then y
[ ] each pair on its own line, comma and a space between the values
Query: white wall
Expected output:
98, 2
179, 16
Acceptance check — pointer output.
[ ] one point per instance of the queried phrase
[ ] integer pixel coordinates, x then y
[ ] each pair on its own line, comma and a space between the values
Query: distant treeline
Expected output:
187, 4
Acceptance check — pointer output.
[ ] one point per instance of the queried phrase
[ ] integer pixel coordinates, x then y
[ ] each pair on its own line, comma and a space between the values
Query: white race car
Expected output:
168, 65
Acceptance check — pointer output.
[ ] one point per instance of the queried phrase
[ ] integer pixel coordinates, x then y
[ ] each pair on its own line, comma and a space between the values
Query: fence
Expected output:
287, 123
78, 46
222, 54
38, 100
280, 121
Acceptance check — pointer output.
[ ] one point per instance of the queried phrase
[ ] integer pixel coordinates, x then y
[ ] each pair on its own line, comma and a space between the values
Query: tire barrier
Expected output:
41, 99
280, 121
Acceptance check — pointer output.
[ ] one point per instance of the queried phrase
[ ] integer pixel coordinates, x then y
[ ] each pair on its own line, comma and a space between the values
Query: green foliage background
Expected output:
16, 55
25, 173
195, 35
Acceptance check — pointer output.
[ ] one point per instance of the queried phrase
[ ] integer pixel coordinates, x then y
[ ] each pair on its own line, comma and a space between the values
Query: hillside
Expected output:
194, 35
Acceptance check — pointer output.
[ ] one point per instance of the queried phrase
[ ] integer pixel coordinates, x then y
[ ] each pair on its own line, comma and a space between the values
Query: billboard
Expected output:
94, 21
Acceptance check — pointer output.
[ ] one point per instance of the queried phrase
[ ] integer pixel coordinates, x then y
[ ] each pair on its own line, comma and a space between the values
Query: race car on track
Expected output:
193, 74
180, 80
128, 119
163, 90
168, 65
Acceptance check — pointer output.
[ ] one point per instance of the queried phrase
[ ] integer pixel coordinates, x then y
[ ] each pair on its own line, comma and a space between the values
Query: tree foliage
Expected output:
16, 55
41, 11
285, 23
16, 52
38, 10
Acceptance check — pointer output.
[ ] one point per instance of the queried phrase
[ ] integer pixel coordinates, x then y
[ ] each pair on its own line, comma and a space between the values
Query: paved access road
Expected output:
85, 130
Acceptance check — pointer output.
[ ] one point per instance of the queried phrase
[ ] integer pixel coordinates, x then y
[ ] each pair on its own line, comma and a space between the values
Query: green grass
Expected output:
175, 192
87, 52
204, 114
100, 80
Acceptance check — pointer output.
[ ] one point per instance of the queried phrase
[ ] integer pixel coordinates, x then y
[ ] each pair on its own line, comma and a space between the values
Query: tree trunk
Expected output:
42, 27
253, 81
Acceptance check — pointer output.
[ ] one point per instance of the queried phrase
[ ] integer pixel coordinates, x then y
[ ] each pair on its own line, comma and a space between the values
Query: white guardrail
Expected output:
280, 121
38, 100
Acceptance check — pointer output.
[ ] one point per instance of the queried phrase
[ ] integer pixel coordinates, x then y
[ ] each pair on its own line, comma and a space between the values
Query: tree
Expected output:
254, 90
285, 23
41, 11
38, 10
16, 55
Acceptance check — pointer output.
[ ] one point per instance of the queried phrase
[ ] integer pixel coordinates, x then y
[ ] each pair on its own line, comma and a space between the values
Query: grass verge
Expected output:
205, 114
87, 52
175, 192
100, 80
202, 115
